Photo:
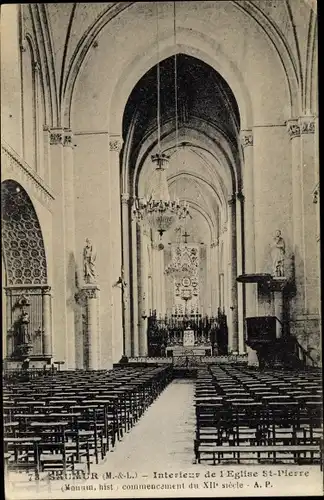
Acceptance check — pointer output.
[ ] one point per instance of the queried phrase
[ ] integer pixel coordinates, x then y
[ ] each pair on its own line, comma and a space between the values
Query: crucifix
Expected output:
185, 236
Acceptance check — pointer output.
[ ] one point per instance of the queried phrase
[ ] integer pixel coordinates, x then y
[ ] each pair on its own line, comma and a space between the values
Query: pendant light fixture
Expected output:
159, 211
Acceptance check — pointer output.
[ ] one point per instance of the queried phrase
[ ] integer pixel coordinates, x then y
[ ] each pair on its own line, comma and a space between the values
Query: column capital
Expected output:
56, 136
125, 198
214, 243
67, 138
23, 45
246, 138
293, 128
90, 291
240, 196
307, 124
115, 144
46, 290
36, 66
231, 200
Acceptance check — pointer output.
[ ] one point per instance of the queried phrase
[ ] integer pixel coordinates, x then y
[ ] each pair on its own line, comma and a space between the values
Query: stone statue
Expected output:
89, 258
278, 255
24, 337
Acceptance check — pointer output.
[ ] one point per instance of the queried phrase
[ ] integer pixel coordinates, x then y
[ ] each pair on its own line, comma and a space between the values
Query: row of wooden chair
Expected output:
245, 415
71, 419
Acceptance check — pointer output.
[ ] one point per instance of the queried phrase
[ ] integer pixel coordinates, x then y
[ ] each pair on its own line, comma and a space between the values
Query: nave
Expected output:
143, 419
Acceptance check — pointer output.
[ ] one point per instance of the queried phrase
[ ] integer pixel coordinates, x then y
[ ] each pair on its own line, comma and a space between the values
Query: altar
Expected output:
189, 343
186, 335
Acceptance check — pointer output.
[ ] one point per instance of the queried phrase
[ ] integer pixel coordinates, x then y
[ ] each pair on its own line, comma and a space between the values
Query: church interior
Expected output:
160, 233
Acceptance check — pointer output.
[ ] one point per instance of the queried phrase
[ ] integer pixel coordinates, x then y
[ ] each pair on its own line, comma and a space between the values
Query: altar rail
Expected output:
230, 359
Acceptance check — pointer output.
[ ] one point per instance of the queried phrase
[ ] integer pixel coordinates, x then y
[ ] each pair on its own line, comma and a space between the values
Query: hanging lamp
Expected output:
159, 211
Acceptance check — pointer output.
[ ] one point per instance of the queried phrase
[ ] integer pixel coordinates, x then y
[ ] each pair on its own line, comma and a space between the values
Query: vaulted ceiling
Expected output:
70, 29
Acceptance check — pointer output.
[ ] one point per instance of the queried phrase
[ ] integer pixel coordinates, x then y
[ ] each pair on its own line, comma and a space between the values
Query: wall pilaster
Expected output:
248, 220
115, 145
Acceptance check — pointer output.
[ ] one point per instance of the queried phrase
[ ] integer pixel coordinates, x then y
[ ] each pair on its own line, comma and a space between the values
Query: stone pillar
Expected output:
233, 313
214, 273
293, 128
69, 247
278, 311
61, 341
158, 278
135, 302
144, 305
308, 179
127, 249
115, 145
47, 321
239, 270
91, 344
248, 221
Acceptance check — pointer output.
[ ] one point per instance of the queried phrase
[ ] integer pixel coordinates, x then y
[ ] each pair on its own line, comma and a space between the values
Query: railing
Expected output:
303, 354
196, 359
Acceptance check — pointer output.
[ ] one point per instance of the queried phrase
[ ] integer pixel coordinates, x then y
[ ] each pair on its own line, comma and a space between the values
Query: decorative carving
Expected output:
67, 139
46, 290
89, 258
36, 66
278, 255
115, 145
85, 293
125, 198
232, 200
307, 125
91, 293
16, 166
56, 138
247, 138
23, 243
23, 45
240, 196
293, 128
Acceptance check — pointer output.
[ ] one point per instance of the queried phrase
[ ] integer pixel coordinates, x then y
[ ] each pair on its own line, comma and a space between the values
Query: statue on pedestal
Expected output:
89, 258
24, 333
278, 255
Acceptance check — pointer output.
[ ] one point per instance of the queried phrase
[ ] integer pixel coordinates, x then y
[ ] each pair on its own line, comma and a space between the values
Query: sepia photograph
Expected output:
161, 277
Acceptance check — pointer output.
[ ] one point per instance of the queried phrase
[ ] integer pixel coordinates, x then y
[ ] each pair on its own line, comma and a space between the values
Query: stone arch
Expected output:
191, 43
24, 249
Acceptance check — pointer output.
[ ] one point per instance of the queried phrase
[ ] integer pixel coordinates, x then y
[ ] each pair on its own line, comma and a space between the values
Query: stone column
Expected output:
135, 302
239, 270
92, 343
127, 249
47, 321
233, 313
207, 298
115, 145
158, 278
293, 128
308, 179
214, 272
248, 221
69, 247
61, 336
143, 292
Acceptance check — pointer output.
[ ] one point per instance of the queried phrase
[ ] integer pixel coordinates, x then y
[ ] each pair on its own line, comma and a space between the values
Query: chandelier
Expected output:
159, 211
